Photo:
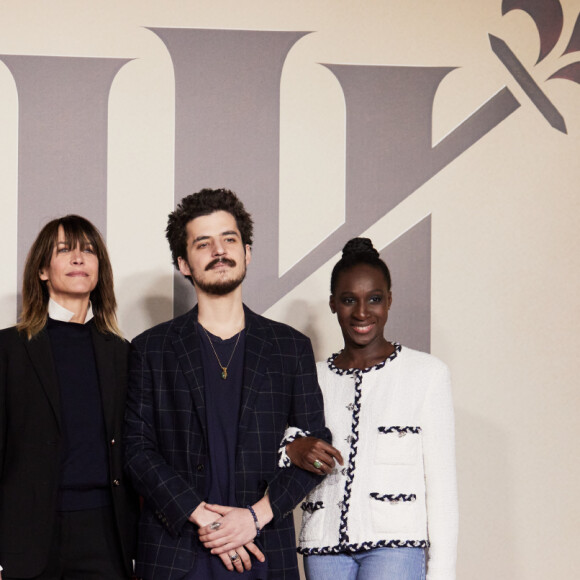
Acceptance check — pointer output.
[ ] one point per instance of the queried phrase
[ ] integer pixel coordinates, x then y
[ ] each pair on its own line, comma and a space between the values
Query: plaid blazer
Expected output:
166, 438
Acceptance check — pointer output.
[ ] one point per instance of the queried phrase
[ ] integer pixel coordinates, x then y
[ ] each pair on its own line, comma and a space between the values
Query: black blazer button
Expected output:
116, 482
200, 466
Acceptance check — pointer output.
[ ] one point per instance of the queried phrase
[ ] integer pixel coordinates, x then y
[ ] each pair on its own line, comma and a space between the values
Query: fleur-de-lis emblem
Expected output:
549, 19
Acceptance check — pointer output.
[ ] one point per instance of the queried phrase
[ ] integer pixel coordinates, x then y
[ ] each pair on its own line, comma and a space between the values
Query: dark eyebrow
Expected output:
199, 239
226, 233
375, 291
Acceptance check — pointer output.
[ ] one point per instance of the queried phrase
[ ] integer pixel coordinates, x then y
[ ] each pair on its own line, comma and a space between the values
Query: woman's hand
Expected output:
313, 454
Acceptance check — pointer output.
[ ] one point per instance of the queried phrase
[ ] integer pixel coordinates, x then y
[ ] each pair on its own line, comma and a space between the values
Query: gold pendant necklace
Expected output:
224, 368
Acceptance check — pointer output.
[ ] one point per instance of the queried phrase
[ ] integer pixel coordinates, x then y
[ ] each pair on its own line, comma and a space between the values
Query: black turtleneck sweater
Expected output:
84, 473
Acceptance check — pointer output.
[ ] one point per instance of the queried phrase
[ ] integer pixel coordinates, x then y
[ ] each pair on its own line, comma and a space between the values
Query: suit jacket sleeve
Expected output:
291, 484
172, 496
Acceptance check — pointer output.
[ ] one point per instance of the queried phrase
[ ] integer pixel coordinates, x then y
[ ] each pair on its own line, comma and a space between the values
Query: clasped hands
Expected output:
233, 539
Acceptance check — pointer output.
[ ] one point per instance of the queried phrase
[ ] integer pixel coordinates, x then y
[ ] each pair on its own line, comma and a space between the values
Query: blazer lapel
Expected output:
41, 357
104, 347
187, 350
257, 354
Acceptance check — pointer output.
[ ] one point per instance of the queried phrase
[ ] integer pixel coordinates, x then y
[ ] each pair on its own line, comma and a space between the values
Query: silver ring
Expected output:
317, 464
235, 557
215, 526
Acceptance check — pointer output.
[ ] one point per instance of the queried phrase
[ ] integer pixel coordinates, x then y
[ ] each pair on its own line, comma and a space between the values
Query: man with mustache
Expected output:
210, 395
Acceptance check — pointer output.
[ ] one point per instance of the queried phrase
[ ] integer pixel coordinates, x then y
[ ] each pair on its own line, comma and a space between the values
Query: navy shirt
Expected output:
223, 404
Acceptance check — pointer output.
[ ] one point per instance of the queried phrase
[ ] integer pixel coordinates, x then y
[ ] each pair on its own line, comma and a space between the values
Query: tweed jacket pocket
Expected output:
398, 445
312, 520
394, 513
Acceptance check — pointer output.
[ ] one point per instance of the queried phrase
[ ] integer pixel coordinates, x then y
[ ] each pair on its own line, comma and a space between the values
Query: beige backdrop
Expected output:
505, 266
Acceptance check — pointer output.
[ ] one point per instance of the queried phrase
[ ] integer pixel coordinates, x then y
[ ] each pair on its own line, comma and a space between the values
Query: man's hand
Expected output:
313, 454
207, 518
241, 559
237, 529
201, 516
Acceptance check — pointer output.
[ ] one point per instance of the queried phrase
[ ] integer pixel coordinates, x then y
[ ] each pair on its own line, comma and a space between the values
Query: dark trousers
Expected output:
85, 547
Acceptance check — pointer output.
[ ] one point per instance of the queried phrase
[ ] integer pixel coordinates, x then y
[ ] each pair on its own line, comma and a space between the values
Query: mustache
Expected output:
220, 261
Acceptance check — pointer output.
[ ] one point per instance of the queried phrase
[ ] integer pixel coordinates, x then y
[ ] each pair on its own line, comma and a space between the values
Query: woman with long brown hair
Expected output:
65, 509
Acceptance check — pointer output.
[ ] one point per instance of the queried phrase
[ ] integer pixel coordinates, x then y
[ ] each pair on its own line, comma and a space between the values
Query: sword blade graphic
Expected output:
528, 84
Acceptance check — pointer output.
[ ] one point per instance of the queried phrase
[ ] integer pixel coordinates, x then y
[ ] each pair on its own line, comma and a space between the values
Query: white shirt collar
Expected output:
60, 313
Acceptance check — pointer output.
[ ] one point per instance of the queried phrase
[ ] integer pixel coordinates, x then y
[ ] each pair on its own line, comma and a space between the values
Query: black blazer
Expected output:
166, 438
30, 439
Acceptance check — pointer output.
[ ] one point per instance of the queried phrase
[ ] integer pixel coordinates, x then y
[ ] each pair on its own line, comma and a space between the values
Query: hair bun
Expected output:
359, 246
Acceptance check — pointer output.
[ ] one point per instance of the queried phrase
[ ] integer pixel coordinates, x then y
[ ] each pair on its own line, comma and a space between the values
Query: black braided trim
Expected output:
344, 504
283, 459
392, 498
363, 547
340, 372
400, 430
353, 437
311, 507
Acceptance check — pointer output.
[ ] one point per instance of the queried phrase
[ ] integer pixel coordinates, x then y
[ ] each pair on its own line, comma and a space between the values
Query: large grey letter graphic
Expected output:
227, 134
409, 260
227, 130
62, 140
389, 151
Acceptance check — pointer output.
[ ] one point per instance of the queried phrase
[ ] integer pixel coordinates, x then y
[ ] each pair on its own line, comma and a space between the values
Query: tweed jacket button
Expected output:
200, 467
116, 482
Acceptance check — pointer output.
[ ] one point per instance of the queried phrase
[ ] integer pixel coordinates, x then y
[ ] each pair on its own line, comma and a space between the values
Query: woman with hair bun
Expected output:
389, 510
66, 512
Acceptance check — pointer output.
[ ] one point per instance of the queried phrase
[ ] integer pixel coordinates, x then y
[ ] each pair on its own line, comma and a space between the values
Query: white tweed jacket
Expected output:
393, 424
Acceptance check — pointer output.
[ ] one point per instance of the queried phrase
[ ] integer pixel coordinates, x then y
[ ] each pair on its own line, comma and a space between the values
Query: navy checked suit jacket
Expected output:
166, 438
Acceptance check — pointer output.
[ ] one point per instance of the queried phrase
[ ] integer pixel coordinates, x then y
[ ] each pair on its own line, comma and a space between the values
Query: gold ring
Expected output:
317, 464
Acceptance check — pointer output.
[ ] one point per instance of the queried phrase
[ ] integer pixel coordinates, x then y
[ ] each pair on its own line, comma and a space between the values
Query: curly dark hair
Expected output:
359, 251
205, 202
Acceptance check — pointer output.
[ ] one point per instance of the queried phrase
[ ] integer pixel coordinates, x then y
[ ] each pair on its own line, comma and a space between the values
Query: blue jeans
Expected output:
376, 564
